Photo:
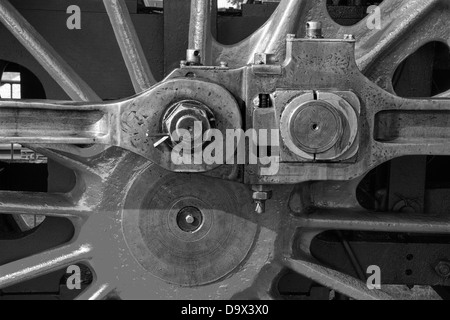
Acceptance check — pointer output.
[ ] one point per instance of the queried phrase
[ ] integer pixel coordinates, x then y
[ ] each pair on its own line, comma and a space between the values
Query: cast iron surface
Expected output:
119, 202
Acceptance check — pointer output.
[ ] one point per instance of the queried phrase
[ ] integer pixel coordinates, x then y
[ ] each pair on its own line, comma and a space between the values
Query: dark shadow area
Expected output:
425, 73
349, 12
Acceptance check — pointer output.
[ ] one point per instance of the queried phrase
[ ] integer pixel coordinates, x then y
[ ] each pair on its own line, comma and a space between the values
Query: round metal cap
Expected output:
316, 127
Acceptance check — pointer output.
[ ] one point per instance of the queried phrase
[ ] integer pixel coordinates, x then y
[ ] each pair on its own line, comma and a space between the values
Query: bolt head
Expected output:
261, 195
314, 29
316, 127
190, 219
314, 25
193, 57
443, 269
188, 115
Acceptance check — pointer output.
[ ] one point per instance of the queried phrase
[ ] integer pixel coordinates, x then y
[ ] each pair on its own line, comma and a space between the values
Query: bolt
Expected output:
314, 30
260, 195
406, 206
443, 269
190, 219
188, 115
193, 57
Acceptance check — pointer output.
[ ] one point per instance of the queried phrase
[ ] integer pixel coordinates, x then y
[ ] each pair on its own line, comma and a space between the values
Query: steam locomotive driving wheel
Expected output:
150, 221
157, 233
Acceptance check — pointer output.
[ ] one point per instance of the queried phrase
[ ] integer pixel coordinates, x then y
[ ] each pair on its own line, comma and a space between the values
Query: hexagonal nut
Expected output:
261, 195
178, 110
443, 269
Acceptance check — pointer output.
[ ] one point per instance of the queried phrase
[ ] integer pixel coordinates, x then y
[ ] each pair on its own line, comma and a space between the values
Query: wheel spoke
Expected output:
200, 37
270, 38
345, 219
43, 263
42, 51
96, 291
263, 286
445, 94
397, 21
130, 46
335, 280
95, 161
45, 204
74, 157
407, 25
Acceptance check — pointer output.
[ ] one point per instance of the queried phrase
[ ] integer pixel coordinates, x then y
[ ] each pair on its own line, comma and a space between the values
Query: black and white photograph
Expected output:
231, 157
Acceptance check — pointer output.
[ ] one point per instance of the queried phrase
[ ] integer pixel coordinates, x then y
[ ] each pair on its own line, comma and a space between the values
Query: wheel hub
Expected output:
189, 230
321, 126
190, 219
185, 116
316, 127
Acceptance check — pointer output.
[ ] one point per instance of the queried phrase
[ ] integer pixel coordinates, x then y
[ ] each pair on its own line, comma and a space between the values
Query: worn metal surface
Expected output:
224, 236
121, 199
200, 34
318, 125
340, 282
59, 69
132, 123
130, 46
51, 260
268, 39
330, 65
135, 123
120, 184
406, 25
